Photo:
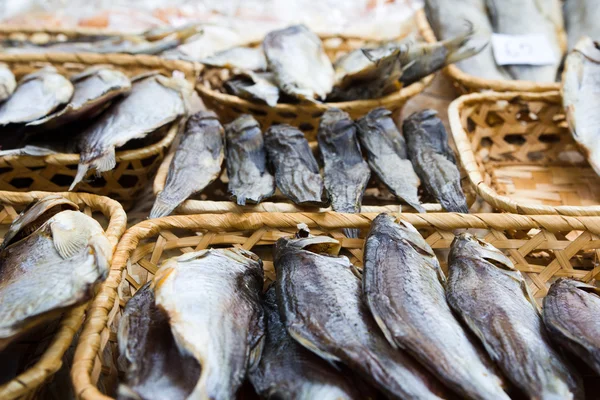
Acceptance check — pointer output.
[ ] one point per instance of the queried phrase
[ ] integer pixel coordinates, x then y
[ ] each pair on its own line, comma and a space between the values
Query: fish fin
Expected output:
371, 55
351, 233
82, 170
67, 242
382, 326
161, 208
311, 346
256, 353
107, 161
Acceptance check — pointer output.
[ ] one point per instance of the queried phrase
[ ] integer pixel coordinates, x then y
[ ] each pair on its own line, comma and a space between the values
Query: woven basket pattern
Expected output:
543, 247
466, 83
304, 116
134, 169
520, 155
112, 217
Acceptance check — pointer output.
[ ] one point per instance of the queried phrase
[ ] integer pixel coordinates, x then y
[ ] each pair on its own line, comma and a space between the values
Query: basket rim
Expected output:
51, 360
471, 165
476, 83
7, 29
90, 339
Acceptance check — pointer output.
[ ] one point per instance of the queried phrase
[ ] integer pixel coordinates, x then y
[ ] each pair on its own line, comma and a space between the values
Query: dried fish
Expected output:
320, 300
387, 155
244, 58
581, 19
154, 367
249, 179
212, 299
403, 285
570, 315
94, 89
254, 87
37, 95
298, 60
8, 82
289, 371
433, 159
346, 173
296, 170
493, 300
196, 163
154, 101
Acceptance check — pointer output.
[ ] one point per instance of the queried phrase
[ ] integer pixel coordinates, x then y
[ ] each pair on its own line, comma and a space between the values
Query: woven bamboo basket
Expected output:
304, 116
112, 217
542, 247
215, 199
45, 34
54, 173
466, 83
520, 155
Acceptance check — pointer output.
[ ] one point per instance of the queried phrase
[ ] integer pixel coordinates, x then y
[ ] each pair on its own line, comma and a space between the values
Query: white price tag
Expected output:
522, 49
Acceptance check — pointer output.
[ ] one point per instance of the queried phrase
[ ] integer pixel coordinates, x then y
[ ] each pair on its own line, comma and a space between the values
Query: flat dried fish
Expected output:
8, 83
154, 367
37, 95
320, 300
296, 170
94, 89
433, 159
570, 315
212, 298
289, 371
490, 295
581, 19
346, 173
196, 163
404, 287
252, 86
154, 101
249, 179
244, 58
387, 155
54, 268
297, 58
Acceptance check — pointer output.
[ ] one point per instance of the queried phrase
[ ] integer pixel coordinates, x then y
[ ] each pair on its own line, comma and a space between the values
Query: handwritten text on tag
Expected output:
522, 49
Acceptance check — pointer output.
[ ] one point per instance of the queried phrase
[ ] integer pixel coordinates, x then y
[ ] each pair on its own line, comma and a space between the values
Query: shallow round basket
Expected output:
542, 247
305, 116
466, 83
54, 173
520, 156
57, 336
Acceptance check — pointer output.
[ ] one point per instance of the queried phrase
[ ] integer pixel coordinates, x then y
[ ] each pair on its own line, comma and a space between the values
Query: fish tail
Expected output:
82, 169
107, 161
458, 49
453, 199
161, 208
351, 233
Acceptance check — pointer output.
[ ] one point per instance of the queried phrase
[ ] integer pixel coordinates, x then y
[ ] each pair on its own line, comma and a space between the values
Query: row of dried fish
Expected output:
400, 164
326, 330
93, 113
292, 65
51, 259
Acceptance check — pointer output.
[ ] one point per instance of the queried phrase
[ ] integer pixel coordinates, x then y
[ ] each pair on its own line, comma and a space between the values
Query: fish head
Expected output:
335, 125
565, 284
242, 125
470, 246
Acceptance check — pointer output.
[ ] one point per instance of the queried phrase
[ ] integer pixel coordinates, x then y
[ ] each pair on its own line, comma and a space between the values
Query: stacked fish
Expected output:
52, 258
292, 66
401, 164
325, 330
93, 113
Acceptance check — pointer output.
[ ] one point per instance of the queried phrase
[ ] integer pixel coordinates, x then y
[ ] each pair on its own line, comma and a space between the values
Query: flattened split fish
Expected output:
581, 19
433, 159
8, 83
296, 170
94, 88
213, 302
254, 86
492, 298
154, 101
249, 179
321, 302
196, 163
404, 287
244, 58
346, 173
570, 314
387, 155
581, 98
50, 260
299, 63
37, 95
154, 367
289, 371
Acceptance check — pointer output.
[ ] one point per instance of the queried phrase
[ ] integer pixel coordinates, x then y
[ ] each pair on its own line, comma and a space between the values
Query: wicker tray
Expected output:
520, 155
54, 173
304, 116
543, 247
377, 198
466, 83
111, 215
